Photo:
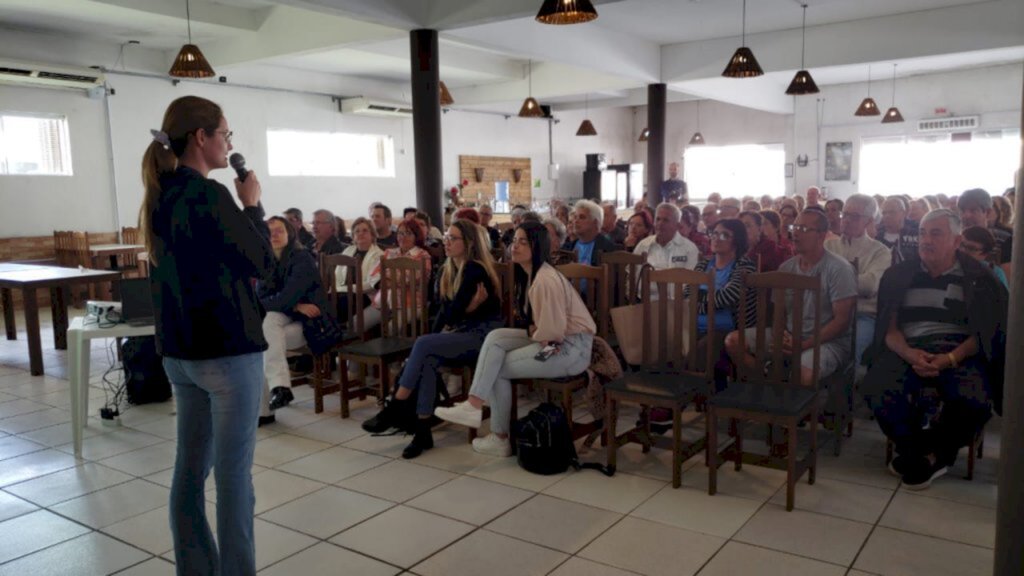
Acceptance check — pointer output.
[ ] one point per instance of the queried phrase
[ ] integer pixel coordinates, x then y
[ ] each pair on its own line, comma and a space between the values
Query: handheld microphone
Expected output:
238, 163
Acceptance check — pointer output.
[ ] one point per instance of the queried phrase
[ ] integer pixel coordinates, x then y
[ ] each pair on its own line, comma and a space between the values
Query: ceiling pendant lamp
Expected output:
530, 107
743, 64
644, 135
697, 139
445, 95
802, 83
867, 106
190, 62
892, 115
566, 12
587, 127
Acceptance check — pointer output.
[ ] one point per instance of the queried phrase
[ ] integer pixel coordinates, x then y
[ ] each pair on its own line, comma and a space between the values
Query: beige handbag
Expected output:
628, 323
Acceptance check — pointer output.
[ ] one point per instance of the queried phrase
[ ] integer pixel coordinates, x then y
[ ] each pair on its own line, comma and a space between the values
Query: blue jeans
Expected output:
433, 351
218, 403
865, 334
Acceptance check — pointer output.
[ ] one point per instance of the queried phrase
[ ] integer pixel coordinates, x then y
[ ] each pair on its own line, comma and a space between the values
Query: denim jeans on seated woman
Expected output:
218, 405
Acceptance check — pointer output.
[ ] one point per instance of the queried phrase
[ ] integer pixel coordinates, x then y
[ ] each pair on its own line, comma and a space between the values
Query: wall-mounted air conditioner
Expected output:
47, 76
370, 107
951, 124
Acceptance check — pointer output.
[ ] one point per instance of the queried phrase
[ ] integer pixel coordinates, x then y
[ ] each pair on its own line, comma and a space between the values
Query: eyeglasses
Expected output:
403, 233
802, 228
228, 134
721, 235
971, 248
448, 238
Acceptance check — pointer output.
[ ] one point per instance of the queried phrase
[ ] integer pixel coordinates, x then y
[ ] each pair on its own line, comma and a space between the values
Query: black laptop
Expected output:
136, 302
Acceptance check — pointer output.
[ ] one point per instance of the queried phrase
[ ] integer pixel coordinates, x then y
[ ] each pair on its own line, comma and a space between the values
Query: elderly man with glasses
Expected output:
873, 259
838, 292
325, 235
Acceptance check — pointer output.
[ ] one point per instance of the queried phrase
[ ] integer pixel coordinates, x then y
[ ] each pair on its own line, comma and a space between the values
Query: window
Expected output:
501, 201
34, 145
293, 153
940, 163
749, 169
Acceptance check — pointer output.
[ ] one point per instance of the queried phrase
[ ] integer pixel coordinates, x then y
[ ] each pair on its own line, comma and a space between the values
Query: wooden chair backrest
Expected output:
498, 253
776, 294
63, 249
351, 292
674, 315
80, 249
563, 257
506, 276
403, 298
130, 235
624, 270
591, 283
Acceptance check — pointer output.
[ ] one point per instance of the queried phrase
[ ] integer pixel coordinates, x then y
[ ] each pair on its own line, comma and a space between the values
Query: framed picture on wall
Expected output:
838, 160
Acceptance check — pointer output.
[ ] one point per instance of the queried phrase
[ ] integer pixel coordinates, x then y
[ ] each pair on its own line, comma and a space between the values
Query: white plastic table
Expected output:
79, 355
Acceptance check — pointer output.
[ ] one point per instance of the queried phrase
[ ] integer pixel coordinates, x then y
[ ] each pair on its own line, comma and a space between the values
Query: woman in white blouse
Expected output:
364, 245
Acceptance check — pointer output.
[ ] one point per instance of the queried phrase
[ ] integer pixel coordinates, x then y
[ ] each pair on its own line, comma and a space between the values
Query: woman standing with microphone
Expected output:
204, 252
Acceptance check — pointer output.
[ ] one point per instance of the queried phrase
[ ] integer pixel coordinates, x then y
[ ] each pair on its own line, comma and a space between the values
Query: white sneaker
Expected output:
462, 413
492, 445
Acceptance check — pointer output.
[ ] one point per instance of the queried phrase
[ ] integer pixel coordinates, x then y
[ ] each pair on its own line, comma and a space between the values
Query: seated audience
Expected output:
833, 209
639, 226
728, 244
640, 206
570, 231
292, 293
517, 219
940, 326
729, 208
325, 235
557, 320
467, 213
589, 243
838, 291
434, 236
766, 254
788, 213
975, 206
562, 213
751, 206
689, 221
411, 244
771, 228
470, 309
1002, 214
342, 234
800, 203
766, 202
918, 208
813, 196
667, 248
381, 216
557, 234
294, 217
709, 215
898, 232
714, 198
409, 213
486, 215
610, 225
978, 243
873, 259
364, 246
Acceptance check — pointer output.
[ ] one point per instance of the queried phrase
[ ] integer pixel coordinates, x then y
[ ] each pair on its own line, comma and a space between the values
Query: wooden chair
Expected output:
668, 377
563, 257
129, 264
771, 393
403, 318
595, 296
841, 383
624, 274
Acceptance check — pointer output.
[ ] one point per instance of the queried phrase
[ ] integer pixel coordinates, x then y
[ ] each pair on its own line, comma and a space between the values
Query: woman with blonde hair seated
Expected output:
470, 309
364, 245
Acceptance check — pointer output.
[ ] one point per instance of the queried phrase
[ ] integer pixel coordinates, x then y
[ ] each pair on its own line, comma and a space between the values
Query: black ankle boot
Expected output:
385, 419
421, 441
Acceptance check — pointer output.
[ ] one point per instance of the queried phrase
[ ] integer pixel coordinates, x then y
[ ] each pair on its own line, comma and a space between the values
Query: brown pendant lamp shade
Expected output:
644, 134
531, 109
697, 139
892, 115
868, 107
586, 129
190, 62
802, 83
743, 64
566, 12
445, 95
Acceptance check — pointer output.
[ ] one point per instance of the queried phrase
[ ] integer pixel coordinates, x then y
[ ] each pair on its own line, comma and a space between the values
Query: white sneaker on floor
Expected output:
462, 413
492, 445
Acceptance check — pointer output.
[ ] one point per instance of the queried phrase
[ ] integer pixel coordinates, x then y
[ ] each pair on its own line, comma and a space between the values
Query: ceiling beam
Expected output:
250, 19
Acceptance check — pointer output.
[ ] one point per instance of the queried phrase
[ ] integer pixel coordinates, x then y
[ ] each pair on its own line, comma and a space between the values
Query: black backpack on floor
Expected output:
144, 376
544, 443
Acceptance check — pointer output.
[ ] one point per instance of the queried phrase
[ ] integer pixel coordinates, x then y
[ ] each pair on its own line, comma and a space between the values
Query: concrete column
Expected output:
1010, 514
656, 95
426, 123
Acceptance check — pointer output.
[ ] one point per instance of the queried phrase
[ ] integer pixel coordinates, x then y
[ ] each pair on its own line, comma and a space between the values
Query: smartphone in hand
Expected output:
546, 352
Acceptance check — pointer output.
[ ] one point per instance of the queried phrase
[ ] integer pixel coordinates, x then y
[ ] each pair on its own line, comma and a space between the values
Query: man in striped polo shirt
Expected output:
941, 325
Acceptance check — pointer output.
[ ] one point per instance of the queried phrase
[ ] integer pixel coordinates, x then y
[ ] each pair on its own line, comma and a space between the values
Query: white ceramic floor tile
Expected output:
67, 484
33, 465
737, 558
114, 504
857, 468
13, 446
753, 482
26, 534
34, 421
274, 488
274, 543
494, 554
402, 536
896, 553
581, 567
390, 446
470, 500
942, 519
151, 531
397, 481
720, 515
285, 448
651, 548
144, 461
459, 459
60, 434
92, 553
620, 493
18, 407
327, 512
334, 464
151, 567
508, 471
976, 493
554, 523
165, 427
858, 502
825, 538
11, 506
331, 430
325, 558
116, 441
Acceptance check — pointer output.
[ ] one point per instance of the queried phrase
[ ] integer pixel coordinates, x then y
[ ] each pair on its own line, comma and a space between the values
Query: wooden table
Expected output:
28, 278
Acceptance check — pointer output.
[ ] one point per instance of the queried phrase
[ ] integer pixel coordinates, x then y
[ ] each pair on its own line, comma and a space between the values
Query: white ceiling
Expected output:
485, 44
